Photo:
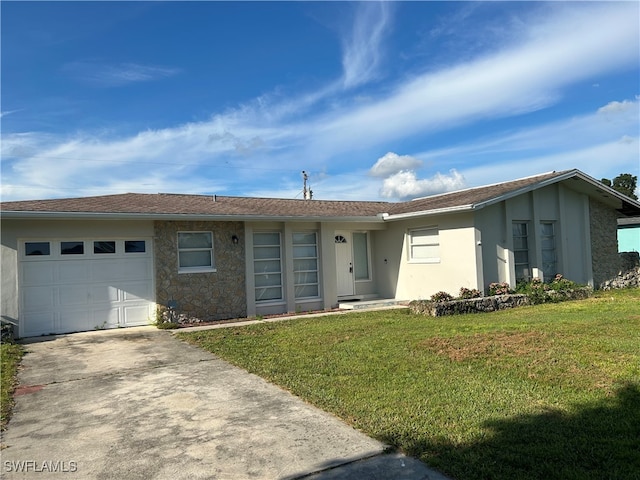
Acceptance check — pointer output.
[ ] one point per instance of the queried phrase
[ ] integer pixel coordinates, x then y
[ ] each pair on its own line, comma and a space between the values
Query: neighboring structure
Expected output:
105, 262
629, 234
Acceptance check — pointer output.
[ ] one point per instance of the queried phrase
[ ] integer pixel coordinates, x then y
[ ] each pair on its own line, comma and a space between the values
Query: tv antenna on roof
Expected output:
307, 193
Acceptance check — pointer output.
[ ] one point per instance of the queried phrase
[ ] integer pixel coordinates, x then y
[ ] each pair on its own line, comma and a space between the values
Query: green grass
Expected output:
542, 392
10, 355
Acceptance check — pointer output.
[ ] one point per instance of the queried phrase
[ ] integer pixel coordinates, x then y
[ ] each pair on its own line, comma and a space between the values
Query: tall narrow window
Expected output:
195, 252
267, 266
548, 243
360, 256
424, 245
305, 264
521, 251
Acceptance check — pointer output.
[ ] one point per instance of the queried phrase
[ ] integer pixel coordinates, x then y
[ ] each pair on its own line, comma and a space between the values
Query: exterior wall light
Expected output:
235, 239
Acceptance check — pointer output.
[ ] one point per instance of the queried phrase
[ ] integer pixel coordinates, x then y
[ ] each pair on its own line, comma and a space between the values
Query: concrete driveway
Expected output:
139, 404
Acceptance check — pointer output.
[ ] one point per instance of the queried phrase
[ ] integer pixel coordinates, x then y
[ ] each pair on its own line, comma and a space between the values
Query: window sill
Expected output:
427, 261
197, 270
268, 303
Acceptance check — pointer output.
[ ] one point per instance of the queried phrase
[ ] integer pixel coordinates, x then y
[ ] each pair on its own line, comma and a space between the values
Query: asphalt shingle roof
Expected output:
471, 196
177, 204
207, 205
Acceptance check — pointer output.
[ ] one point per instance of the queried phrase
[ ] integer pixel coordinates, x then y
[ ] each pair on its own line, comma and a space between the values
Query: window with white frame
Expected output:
548, 244
195, 252
267, 266
521, 251
305, 264
424, 245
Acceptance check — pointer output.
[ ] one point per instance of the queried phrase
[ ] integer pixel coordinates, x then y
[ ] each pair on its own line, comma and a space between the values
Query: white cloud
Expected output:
362, 46
116, 75
618, 107
392, 163
8, 112
405, 185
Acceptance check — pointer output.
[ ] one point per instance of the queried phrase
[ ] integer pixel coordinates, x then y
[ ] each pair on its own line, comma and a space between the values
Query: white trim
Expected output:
426, 213
184, 217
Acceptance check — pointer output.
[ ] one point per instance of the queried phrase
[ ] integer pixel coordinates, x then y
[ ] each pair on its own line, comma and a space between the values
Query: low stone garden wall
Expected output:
629, 274
491, 303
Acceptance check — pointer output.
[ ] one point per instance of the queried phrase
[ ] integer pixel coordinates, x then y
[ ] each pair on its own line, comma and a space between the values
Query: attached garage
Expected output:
78, 284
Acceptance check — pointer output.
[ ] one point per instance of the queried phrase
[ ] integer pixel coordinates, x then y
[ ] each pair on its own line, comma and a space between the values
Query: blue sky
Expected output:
376, 101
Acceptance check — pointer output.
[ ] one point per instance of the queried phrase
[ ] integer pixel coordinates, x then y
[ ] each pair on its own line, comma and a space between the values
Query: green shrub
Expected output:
502, 288
466, 293
555, 291
441, 297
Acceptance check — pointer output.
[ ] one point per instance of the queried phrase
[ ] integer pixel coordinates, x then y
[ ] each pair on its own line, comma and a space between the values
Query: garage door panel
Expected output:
37, 273
106, 317
73, 295
107, 271
40, 298
39, 323
104, 294
136, 268
75, 321
136, 315
76, 271
136, 291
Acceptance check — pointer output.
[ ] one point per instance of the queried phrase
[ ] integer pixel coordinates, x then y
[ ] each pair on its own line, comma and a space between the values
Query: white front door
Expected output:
344, 264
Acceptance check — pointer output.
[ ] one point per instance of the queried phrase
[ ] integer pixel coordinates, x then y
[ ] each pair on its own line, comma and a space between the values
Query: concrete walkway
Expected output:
138, 403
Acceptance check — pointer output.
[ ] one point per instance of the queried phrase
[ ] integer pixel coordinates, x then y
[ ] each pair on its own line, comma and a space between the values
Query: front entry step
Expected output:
372, 304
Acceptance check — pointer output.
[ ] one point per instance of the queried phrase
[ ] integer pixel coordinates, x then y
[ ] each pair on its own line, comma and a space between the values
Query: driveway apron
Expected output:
138, 403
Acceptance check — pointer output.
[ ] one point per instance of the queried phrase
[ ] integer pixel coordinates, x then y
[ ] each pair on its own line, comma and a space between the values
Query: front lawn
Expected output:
547, 392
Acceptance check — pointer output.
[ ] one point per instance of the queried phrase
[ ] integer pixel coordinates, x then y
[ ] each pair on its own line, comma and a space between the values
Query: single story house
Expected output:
107, 261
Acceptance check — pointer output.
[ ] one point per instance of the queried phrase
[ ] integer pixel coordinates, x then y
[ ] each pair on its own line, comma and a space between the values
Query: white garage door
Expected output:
72, 285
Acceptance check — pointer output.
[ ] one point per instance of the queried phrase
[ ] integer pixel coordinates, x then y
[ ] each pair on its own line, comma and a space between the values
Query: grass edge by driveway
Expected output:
10, 356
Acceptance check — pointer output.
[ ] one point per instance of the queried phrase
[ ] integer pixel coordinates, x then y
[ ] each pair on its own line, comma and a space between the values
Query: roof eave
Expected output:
182, 216
428, 213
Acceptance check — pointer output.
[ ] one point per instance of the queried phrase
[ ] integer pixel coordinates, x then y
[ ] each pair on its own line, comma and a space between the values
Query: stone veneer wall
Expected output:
604, 242
206, 296
629, 274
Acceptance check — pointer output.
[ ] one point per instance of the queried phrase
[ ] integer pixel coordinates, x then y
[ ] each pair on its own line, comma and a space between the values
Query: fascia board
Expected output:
609, 190
428, 213
174, 217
